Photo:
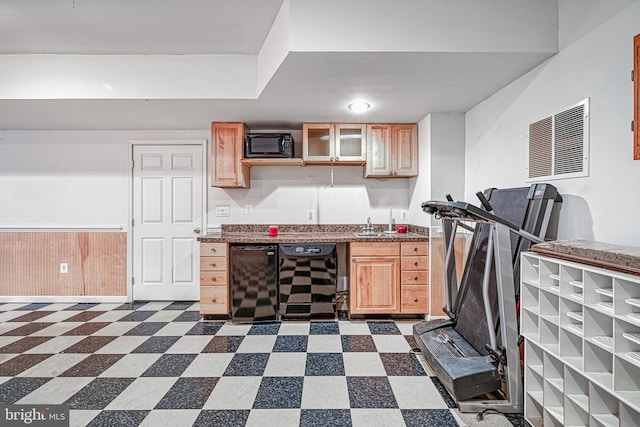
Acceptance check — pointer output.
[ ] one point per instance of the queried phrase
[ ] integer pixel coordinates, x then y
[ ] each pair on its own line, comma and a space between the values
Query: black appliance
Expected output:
268, 145
254, 284
307, 280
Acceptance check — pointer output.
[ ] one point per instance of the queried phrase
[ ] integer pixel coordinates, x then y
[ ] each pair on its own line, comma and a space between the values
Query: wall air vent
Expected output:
559, 144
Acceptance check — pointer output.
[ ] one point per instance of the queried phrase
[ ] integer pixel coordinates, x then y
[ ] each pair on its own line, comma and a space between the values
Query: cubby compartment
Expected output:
550, 276
603, 407
550, 306
627, 341
529, 324
571, 317
629, 416
553, 404
571, 348
598, 328
571, 283
626, 380
598, 364
627, 300
529, 297
574, 414
549, 335
598, 291
529, 271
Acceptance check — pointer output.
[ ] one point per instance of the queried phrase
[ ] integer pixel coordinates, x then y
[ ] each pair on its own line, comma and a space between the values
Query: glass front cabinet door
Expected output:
333, 143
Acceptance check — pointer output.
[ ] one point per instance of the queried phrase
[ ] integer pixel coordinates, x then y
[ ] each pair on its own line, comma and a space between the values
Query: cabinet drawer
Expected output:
375, 249
214, 300
415, 299
213, 263
213, 278
415, 277
414, 263
415, 248
213, 249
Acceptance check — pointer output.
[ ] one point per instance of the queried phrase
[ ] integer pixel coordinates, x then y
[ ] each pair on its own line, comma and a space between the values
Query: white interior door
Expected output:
167, 217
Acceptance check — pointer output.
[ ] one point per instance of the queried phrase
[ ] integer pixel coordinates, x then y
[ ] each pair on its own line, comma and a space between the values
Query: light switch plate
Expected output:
222, 210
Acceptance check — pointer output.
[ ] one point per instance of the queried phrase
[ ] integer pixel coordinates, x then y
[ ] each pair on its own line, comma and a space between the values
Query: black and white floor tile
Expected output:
160, 364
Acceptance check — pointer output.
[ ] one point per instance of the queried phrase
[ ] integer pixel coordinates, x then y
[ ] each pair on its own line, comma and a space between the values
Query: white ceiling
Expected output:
307, 87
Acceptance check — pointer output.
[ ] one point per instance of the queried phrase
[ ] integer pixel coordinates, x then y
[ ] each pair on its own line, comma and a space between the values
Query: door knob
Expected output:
196, 230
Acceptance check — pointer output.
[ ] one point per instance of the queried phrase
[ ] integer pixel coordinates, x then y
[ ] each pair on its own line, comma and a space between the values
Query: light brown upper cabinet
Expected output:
324, 143
227, 148
392, 151
636, 96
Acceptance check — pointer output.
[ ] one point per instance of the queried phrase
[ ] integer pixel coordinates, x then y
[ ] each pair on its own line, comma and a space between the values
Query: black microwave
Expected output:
268, 145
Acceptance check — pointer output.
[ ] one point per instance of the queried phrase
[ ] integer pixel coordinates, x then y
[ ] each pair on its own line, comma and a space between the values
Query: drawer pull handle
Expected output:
212, 265
213, 279
213, 300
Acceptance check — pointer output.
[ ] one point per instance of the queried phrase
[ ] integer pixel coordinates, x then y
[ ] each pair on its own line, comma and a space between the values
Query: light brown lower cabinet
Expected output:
214, 279
389, 278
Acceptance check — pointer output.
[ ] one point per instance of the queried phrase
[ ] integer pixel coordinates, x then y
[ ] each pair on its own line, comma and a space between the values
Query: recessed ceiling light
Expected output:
359, 106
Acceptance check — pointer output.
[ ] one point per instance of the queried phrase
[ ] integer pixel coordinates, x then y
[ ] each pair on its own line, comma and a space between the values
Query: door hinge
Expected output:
632, 126
133, 280
632, 75
133, 222
133, 163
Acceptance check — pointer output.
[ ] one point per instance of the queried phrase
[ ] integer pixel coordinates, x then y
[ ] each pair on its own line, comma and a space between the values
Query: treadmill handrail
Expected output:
469, 212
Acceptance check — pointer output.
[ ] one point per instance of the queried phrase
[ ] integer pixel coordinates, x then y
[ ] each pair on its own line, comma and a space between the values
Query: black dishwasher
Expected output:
254, 284
307, 280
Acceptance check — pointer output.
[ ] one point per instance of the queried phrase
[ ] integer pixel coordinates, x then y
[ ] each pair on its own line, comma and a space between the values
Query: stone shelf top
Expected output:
625, 259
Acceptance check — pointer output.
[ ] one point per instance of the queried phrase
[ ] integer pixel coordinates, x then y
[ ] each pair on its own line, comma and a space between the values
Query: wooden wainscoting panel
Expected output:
30, 263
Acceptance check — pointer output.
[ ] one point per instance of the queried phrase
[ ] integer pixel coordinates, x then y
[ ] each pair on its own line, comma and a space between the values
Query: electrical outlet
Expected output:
311, 215
403, 215
64, 268
248, 209
222, 210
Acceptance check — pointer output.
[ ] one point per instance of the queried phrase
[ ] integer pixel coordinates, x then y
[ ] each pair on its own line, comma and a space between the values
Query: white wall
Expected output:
69, 178
594, 63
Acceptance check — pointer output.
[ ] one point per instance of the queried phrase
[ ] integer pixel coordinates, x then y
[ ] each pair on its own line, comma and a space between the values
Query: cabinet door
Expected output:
405, 140
379, 153
317, 142
227, 140
375, 285
350, 142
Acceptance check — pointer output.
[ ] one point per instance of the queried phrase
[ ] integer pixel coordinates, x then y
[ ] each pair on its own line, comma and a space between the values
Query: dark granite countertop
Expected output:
310, 233
625, 259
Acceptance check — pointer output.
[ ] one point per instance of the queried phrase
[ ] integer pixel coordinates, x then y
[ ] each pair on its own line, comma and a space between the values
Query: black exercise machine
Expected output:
476, 349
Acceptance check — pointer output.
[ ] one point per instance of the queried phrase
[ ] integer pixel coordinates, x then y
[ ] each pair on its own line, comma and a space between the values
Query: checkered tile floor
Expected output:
160, 364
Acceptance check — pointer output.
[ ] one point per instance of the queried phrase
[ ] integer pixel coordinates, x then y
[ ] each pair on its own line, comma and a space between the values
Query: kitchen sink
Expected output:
372, 234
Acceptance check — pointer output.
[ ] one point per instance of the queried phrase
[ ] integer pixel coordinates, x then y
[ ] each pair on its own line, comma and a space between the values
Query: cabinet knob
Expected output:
213, 250
213, 279
212, 264
415, 248
415, 263
213, 300
415, 278
415, 300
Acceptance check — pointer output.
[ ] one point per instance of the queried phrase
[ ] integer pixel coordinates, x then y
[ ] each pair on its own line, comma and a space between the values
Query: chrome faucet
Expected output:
368, 228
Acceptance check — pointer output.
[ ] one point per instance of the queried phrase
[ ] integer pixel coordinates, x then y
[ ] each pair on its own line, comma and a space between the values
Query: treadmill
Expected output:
476, 349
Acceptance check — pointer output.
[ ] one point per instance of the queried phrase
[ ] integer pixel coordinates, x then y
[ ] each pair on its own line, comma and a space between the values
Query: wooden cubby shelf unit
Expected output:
582, 344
